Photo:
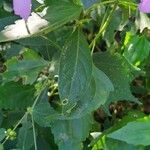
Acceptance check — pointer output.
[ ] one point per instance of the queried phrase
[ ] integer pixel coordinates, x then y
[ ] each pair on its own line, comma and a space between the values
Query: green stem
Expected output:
103, 27
34, 133
25, 115
98, 4
19, 122
128, 3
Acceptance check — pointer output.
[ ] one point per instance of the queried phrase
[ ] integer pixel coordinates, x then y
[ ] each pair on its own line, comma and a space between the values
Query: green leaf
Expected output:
7, 20
58, 14
103, 87
1, 147
75, 70
45, 139
16, 96
25, 136
97, 142
28, 68
136, 48
136, 133
2, 134
12, 50
112, 144
69, 134
119, 72
96, 94
46, 46
44, 114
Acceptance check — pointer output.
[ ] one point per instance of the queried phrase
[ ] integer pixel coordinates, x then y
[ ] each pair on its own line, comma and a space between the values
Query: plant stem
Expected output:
20, 121
103, 28
34, 133
128, 3
25, 115
98, 4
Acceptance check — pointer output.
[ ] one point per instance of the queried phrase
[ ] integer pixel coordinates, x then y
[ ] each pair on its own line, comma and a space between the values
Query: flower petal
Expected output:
144, 6
22, 8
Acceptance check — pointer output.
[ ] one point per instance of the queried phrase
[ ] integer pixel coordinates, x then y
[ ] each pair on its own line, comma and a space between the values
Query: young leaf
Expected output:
28, 68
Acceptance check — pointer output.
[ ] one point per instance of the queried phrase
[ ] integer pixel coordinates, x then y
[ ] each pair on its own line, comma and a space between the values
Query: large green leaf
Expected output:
28, 68
136, 133
95, 95
119, 72
16, 96
58, 13
75, 70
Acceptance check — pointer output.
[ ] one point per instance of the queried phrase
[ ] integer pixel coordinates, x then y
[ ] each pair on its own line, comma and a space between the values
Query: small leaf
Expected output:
28, 68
